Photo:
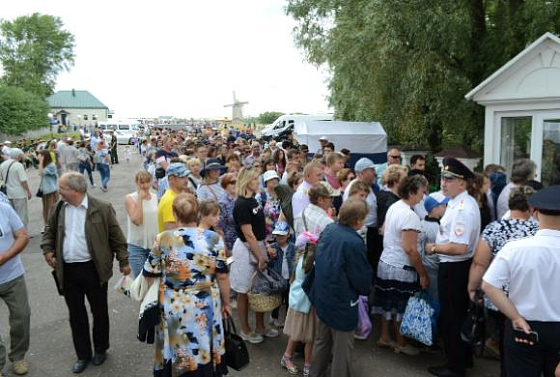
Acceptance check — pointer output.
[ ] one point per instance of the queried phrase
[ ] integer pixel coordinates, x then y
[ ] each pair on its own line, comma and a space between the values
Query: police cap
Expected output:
453, 168
546, 199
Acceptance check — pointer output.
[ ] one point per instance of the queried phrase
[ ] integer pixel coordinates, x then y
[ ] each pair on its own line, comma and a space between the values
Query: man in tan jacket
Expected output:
80, 241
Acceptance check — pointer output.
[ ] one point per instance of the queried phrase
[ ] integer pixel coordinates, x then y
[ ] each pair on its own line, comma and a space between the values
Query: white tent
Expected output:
361, 138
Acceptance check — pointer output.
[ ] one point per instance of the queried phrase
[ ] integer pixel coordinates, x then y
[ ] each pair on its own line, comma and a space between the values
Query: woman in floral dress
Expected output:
194, 296
270, 202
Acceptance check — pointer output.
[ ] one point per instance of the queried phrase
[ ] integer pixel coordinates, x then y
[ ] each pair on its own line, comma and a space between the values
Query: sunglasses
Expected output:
395, 157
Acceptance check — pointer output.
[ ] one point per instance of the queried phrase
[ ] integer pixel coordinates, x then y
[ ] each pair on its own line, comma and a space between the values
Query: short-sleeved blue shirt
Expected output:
9, 223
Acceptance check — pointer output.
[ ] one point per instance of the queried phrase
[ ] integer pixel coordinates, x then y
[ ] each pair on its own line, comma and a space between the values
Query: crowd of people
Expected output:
212, 209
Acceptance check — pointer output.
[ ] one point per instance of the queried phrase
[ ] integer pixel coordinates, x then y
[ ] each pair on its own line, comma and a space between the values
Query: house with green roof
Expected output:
77, 108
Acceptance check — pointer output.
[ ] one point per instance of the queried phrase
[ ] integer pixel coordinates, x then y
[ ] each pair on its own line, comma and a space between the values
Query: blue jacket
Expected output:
49, 179
276, 264
342, 273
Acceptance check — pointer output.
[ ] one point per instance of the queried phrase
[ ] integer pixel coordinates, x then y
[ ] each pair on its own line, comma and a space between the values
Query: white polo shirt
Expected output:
460, 224
532, 268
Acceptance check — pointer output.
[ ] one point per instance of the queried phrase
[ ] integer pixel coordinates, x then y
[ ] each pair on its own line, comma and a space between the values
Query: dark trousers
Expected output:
373, 249
114, 156
453, 279
500, 320
80, 281
523, 360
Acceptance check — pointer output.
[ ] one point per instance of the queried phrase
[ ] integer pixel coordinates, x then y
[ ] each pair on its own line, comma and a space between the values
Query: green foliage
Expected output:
409, 63
21, 111
33, 51
269, 117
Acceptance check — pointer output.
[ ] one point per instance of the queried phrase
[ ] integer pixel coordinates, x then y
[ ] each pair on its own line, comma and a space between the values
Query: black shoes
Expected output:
80, 366
444, 371
99, 358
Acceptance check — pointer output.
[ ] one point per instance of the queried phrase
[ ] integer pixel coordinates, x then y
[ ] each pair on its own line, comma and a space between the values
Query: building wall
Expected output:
77, 117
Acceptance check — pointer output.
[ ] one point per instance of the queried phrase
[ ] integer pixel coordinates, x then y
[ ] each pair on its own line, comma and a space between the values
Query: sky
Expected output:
184, 58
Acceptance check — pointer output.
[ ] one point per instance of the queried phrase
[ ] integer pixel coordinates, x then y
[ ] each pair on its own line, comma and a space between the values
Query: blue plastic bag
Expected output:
417, 319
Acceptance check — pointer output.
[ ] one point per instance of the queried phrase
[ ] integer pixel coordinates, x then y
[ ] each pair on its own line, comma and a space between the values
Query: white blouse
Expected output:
400, 216
145, 234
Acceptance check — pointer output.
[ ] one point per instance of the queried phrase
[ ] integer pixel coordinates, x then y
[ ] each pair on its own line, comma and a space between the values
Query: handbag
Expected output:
473, 329
4, 186
417, 319
237, 355
39, 193
310, 248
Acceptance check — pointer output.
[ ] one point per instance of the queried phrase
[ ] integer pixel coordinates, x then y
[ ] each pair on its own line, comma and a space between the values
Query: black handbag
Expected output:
473, 329
237, 355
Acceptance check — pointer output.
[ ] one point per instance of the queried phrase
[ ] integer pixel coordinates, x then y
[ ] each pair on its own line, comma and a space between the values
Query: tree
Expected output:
269, 117
21, 111
33, 51
409, 63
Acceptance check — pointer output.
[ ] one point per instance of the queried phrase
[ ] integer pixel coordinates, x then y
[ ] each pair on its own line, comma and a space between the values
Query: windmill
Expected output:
237, 110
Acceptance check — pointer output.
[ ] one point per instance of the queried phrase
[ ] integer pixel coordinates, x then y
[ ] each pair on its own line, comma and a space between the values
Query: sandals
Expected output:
407, 350
389, 344
286, 362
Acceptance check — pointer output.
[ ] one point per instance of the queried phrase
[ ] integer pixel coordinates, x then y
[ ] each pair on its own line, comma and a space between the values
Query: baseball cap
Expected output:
281, 228
430, 203
270, 174
177, 169
323, 138
363, 164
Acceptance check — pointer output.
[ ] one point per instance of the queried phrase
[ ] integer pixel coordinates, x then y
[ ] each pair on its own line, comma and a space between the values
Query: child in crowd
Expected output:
127, 154
209, 214
359, 190
429, 230
282, 254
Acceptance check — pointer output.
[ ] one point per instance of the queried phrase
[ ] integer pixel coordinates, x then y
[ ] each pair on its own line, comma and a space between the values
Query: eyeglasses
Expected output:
396, 157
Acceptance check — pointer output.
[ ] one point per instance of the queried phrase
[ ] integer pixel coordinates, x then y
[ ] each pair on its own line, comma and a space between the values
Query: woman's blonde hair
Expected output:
143, 176
394, 174
192, 162
244, 178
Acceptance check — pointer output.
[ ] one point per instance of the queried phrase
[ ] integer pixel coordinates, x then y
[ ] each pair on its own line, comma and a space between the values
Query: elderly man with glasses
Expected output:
393, 158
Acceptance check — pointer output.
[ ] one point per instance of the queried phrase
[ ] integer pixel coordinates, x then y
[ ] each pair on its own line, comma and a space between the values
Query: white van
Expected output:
285, 124
125, 131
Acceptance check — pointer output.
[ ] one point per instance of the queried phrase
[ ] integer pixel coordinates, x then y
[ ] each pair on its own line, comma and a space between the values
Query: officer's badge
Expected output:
459, 229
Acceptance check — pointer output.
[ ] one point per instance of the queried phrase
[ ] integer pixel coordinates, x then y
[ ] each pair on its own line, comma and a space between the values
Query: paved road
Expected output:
52, 354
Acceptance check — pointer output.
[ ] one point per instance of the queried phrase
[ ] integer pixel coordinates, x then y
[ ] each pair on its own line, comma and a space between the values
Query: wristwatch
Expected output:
433, 250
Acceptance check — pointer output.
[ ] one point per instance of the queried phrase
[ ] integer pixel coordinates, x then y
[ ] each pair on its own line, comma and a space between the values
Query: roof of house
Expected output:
75, 99
506, 67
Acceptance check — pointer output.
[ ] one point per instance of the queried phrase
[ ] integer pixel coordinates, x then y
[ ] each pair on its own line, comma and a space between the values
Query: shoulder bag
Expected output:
4, 187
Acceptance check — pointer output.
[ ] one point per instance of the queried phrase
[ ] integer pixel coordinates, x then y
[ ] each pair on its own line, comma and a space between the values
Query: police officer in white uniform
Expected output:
455, 245
532, 268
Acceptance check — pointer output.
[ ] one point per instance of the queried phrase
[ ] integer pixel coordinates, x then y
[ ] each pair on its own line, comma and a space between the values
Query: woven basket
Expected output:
264, 303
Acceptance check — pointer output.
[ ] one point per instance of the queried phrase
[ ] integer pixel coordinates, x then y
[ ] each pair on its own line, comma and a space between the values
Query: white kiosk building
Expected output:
522, 102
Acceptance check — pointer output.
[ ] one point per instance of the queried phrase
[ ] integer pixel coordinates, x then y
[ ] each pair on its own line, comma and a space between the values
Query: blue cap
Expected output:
430, 203
281, 228
177, 169
363, 164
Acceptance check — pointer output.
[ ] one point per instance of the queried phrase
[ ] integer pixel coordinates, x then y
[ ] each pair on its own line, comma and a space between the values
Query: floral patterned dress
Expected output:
189, 339
271, 208
227, 224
